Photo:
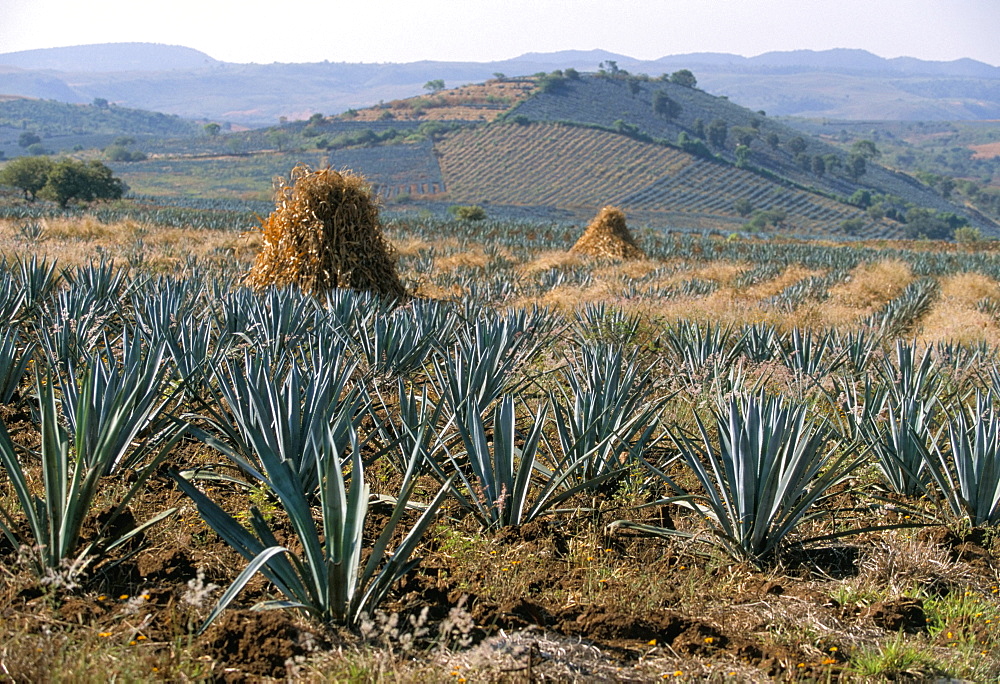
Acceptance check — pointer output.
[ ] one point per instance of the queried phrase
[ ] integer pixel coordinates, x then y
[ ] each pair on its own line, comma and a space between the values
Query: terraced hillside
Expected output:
580, 169
557, 164
773, 146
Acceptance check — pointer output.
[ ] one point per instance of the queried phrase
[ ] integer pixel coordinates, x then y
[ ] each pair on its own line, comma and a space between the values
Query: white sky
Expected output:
485, 30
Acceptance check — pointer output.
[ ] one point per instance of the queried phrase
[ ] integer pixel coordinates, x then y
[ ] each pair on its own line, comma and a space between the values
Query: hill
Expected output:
63, 127
834, 83
110, 57
579, 169
564, 147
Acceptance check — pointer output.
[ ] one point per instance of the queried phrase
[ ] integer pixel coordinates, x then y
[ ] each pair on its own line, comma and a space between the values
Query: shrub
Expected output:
743, 207
470, 212
968, 235
852, 226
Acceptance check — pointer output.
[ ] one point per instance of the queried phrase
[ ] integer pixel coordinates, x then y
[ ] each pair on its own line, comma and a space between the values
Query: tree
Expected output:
773, 140
742, 155
435, 86
861, 198
717, 132
744, 136
121, 153
278, 138
743, 207
212, 129
946, 186
572, 74
551, 83
664, 106
28, 174
100, 103
27, 139
698, 127
797, 145
856, 166
609, 68
866, 149
852, 226
70, 179
818, 165
924, 223
684, 77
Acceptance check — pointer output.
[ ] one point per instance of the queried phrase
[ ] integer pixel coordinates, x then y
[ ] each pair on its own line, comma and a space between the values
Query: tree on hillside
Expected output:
664, 106
856, 166
742, 155
818, 165
28, 174
717, 132
70, 179
684, 77
866, 149
27, 139
698, 127
212, 129
797, 145
435, 86
924, 223
743, 207
744, 136
609, 68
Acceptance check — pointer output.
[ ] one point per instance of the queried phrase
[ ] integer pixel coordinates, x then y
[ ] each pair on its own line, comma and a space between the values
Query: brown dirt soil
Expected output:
905, 614
258, 642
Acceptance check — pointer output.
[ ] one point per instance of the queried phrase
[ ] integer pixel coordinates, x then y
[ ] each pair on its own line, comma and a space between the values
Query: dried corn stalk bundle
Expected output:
325, 233
607, 236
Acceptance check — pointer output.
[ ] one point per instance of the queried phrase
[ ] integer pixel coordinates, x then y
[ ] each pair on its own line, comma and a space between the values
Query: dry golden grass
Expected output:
721, 272
549, 260
789, 276
869, 287
410, 246
79, 242
473, 102
955, 318
616, 271
470, 259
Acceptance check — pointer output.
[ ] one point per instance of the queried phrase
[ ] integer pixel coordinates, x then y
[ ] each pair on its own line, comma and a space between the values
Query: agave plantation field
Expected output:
735, 460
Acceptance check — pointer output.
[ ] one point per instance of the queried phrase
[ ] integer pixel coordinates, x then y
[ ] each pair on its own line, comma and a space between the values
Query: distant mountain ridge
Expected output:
110, 57
834, 84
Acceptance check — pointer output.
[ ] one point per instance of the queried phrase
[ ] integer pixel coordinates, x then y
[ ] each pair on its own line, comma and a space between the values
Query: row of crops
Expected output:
549, 164
505, 415
567, 166
251, 175
708, 188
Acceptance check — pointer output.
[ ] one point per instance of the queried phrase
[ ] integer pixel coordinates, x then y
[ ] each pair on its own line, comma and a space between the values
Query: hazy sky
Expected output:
480, 30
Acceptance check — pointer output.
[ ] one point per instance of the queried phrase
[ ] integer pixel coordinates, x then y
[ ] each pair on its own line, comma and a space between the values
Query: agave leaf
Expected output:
257, 563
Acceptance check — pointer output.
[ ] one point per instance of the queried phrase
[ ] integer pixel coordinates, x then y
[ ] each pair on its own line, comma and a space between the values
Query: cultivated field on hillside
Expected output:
581, 168
565, 430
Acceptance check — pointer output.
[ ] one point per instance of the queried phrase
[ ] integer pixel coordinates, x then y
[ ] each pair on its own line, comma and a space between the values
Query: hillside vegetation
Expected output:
580, 169
560, 144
